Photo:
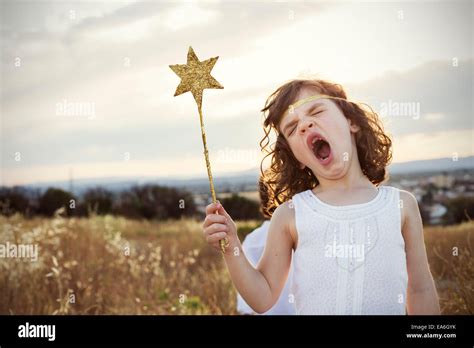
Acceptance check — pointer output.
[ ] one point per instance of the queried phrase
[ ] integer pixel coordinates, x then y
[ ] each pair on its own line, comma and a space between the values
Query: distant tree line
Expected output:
149, 202
159, 202
139, 202
459, 209
241, 208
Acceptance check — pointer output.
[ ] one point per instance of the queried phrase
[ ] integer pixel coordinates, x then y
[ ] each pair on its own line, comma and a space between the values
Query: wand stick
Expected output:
195, 77
224, 243
206, 156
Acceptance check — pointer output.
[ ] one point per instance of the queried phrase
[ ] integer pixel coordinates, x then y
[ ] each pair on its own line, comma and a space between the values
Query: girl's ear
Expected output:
301, 165
354, 128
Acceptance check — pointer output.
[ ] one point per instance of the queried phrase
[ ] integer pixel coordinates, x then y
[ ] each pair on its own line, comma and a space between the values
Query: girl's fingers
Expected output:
211, 208
216, 237
215, 228
214, 218
216, 246
216, 225
223, 212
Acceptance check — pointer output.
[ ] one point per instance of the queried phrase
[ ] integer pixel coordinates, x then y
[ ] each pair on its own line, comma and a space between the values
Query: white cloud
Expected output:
127, 33
434, 117
185, 16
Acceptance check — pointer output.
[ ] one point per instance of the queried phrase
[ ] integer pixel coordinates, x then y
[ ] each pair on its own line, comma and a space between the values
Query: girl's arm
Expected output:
421, 294
260, 287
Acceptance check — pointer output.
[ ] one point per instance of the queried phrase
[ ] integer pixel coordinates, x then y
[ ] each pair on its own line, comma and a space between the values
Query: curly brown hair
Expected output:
264, 197
284, 178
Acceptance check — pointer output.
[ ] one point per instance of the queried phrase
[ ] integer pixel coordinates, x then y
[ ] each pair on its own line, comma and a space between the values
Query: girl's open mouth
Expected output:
321, 149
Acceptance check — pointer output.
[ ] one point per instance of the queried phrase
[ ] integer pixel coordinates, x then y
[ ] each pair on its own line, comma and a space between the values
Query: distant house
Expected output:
436, 212
443, 181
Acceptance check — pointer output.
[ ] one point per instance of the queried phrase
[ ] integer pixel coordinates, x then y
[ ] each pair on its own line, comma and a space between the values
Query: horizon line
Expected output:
216, 175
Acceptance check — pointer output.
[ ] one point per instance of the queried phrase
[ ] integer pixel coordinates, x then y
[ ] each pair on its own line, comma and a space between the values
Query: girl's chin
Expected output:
335, 170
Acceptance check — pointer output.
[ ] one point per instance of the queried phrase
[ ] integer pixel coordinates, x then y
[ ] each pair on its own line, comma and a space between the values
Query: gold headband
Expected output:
293, 106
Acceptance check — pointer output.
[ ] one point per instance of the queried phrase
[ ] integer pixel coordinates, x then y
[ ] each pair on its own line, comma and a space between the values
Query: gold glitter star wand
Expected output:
195, 77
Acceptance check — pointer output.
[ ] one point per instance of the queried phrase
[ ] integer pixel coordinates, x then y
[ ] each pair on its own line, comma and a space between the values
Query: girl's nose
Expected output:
306, 126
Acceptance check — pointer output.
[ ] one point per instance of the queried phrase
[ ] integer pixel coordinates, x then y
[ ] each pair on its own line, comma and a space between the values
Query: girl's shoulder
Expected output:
284, 214
407, 202
409, 206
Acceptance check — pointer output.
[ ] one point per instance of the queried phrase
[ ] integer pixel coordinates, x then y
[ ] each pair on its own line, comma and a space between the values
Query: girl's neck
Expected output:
348, 183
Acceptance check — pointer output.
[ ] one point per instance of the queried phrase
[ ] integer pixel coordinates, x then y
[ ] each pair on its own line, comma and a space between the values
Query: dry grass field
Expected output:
111, 265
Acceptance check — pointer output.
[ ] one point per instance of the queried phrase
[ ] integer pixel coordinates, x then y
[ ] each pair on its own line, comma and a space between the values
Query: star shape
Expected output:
195, 76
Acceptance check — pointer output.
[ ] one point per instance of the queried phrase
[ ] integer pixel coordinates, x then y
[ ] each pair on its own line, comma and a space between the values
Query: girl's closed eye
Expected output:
292, 130
317, 113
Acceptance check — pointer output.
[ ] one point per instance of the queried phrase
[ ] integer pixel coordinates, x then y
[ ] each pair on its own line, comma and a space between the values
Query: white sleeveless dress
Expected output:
349, 259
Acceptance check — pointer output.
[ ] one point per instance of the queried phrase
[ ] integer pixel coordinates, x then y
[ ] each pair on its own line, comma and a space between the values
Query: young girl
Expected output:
358, 246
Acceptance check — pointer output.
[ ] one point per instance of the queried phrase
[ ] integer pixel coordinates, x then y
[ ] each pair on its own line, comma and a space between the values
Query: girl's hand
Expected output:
219, 226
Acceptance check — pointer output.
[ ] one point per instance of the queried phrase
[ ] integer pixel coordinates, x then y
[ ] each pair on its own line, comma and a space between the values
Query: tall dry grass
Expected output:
110, 265
451, 259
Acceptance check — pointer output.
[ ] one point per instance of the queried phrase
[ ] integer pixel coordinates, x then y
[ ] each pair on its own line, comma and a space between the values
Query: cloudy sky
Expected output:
86, 87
